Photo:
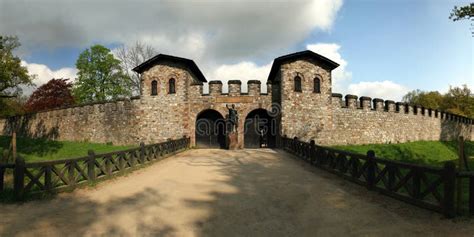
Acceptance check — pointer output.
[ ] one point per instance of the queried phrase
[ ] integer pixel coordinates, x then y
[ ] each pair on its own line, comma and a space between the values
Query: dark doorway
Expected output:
259, 129
210, 129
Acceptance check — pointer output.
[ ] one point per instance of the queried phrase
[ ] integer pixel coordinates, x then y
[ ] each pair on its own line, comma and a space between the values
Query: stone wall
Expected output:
114, 122
367, 121
322, 116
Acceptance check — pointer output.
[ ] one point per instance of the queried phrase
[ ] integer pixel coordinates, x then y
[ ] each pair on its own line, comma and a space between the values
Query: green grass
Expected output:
43, 149
420, 152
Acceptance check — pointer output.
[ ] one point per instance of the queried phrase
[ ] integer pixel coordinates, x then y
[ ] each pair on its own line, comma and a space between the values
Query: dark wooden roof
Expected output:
300, 55
163, 57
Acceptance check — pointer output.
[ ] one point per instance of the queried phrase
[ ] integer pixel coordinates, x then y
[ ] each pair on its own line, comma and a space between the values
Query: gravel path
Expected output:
226, 193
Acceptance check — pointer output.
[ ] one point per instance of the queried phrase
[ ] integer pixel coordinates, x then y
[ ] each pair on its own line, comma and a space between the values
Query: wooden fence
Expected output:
424, 186
53, 176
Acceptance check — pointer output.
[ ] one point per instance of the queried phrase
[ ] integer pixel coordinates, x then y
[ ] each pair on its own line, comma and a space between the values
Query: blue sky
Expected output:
385, 48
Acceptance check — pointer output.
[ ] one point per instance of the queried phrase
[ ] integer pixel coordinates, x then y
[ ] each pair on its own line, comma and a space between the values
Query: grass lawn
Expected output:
420, 152
43, 149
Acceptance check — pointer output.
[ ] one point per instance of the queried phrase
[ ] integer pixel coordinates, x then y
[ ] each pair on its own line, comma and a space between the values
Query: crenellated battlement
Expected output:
116, 106
366, 103
254, 88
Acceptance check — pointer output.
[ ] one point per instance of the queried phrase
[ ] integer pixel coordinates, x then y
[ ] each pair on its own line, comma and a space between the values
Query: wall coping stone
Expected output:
234, 82
254, 82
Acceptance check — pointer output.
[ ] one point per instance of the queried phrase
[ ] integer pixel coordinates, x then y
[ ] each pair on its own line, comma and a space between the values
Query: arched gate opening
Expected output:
210, 129
259, 129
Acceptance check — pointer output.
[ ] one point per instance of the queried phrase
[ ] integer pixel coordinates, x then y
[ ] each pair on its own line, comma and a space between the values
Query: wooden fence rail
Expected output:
424, 186
53, 176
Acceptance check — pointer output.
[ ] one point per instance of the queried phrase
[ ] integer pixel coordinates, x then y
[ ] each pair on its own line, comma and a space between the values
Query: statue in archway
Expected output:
233, 117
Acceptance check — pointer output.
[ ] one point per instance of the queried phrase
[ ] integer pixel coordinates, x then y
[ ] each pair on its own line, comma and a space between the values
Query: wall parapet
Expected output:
380, 105
235, 88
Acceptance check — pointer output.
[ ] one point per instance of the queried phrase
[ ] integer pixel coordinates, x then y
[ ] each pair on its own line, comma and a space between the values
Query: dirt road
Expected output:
226, 193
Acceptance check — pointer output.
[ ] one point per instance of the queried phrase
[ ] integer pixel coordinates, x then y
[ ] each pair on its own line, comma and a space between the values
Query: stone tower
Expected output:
301, 85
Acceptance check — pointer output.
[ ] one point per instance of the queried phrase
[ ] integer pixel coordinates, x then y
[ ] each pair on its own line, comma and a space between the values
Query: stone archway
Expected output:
259, 129
210, 129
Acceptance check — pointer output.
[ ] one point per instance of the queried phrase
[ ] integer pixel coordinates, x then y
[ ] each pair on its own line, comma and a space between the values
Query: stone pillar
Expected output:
378, 104
390, 105
351, 101
254, 87
234, 87
400, 107
365, 103
336, 99
215, 88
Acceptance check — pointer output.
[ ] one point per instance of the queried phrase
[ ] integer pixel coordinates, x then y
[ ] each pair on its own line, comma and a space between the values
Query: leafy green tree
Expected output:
100, 76
12, 76
463, 13
12, 73
459, 100
432, 99
12, 106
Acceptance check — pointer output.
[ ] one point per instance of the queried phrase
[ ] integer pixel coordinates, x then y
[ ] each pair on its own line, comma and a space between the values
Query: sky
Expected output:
384, 48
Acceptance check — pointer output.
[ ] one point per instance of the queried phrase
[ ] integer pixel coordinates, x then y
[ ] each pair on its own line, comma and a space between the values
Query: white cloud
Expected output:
243, 71
387, 90
217, 31
43, 74
340, 75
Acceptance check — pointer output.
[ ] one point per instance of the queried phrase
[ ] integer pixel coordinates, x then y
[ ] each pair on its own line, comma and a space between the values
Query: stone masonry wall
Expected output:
324, 117
305, 114
369, 121
102, 122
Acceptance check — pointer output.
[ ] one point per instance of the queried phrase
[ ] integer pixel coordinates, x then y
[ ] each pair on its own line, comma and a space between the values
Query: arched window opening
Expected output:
154, 87
317, 85
172, 86
298, 84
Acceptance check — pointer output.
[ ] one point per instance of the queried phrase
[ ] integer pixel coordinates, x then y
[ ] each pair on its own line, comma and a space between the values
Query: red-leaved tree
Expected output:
54, 94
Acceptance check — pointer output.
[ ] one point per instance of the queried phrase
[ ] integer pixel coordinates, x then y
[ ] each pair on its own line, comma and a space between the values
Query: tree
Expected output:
54, 94
463, 13
458, 100
432, 99
131, 57
100, 76
12, 106
12, 74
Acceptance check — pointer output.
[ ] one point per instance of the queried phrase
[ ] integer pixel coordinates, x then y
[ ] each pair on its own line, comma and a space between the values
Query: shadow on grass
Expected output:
29, 146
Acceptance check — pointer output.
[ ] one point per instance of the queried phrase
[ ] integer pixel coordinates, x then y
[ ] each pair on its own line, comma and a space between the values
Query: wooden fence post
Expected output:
48, 182
2, 177
312, 152
70, 171
449, 176
471, 195
461, 165
416, 183
370, 169
142, 153
462, 154
91, 165
391, 177
19, 178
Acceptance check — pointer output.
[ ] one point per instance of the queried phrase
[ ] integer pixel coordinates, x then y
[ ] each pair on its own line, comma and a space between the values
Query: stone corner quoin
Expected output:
299, 98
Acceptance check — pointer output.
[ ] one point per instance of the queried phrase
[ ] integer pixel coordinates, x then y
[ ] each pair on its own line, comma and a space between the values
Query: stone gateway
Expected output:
299, 102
